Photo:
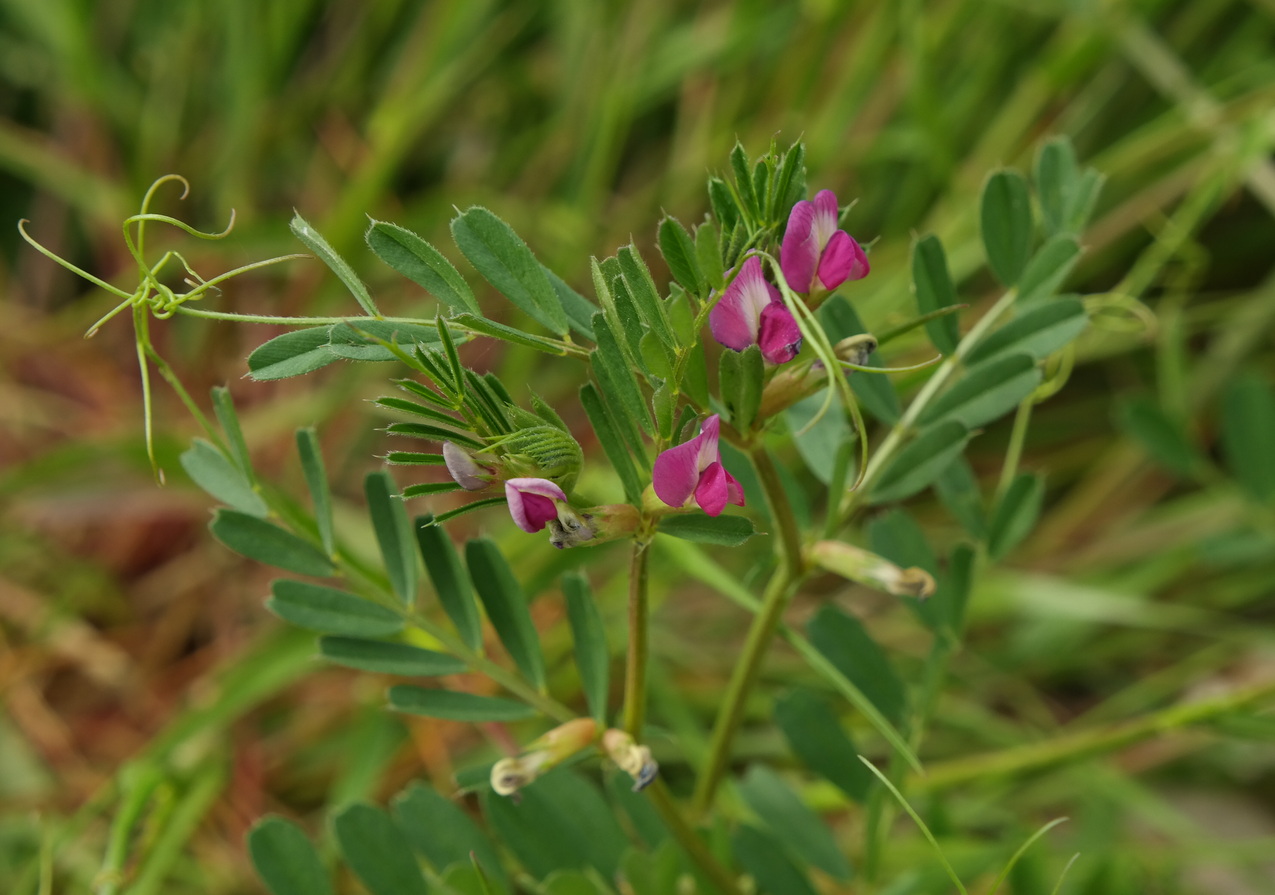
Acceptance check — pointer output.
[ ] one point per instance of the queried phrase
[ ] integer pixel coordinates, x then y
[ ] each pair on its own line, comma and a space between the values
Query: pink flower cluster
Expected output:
752, 312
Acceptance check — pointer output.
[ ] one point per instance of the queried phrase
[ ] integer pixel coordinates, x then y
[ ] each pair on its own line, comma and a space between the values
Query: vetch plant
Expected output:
698, 391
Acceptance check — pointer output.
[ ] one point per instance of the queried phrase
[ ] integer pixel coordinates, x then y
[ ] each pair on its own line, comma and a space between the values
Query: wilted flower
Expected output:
859, 565
511, 774
634, 760
813, 246
695, 467
752, 313
463, 469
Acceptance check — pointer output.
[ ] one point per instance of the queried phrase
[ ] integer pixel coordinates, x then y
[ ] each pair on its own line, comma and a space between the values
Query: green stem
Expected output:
639, 650
1087, 743
745, 675
686, 837
782, 583
780, 510
903, 428
1014, 453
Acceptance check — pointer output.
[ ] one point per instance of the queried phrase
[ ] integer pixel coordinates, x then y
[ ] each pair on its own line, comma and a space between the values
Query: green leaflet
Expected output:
1006, 223
921, 461
387, 657
421, 263
505, 261
725, 531
843, 640
589, 638
506, 606
451, 583
443, 833
266, 542
934, 291
377, 851
791, 822
212, 471
331, 611
285, 860
393, 534
316, 243
986, 392
454, 706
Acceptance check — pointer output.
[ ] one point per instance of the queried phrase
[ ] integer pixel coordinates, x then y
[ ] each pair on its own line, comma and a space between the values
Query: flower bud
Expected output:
463, 470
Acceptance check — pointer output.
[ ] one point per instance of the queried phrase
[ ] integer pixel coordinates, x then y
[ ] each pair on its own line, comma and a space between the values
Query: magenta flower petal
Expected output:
543, 487
734, 320
712, 491
695, 467
843, 259
779, 335
799, 253
824, 219
531, 502
676, 472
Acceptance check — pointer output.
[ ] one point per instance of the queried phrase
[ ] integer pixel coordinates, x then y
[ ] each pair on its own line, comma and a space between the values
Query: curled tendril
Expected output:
152, 298
839, 387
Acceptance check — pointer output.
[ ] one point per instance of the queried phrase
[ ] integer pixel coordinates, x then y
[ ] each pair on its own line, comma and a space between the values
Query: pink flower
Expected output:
752, 313
695, 467
532, 502
814, 246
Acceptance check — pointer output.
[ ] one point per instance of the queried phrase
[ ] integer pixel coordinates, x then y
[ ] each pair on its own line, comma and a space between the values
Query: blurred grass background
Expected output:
127, 636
